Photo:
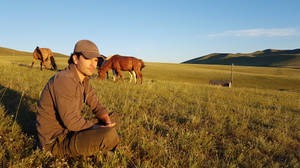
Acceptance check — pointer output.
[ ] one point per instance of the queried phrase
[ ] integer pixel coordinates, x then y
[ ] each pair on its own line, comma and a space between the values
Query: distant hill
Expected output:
11, 52
268, 57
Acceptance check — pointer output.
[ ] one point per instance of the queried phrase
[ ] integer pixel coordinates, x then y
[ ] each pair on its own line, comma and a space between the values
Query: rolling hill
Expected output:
267, 58
11, 52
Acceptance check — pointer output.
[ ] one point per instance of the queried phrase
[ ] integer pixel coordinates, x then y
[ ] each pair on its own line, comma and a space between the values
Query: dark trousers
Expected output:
86, 142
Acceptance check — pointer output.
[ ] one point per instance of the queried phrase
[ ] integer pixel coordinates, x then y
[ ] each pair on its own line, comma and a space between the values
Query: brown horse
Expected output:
122, 63
44, 55
102, 59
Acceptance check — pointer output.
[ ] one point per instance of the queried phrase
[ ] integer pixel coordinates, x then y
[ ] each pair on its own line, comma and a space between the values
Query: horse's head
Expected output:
101, 73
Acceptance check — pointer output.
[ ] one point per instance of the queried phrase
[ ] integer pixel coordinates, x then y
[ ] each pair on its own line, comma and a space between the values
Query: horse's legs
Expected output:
32, 63
134, 75
130, 79
41, 65
107, 75
137, 75
115, 75
141, 75
44, 63
119, 72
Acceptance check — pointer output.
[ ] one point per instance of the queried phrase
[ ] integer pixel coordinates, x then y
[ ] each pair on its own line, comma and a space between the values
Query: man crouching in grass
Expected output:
61, 128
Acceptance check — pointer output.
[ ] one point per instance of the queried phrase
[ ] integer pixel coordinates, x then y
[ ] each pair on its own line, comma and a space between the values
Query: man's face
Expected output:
86, 66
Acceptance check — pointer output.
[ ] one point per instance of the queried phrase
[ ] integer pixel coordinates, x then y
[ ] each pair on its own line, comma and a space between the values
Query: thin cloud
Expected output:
258, 33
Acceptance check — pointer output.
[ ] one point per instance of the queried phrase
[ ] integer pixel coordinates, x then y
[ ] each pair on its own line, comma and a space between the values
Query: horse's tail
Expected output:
53, 62
143, 65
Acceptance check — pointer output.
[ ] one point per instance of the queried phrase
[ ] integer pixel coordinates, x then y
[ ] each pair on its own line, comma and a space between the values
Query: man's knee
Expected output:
110, 139
91, 141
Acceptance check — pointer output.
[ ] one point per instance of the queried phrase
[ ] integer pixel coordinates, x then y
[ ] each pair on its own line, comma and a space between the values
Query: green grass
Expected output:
174, 119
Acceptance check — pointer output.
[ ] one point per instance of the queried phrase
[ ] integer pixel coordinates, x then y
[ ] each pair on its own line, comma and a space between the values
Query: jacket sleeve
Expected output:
68, 104
92, 100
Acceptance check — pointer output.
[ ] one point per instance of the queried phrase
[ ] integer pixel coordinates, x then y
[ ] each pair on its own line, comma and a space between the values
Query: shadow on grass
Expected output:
29, 66
21, 108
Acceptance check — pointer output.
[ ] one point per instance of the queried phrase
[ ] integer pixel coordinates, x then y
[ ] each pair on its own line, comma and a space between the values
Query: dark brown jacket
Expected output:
60, 105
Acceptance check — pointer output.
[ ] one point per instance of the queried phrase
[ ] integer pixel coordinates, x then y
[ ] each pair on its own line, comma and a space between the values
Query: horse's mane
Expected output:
106, 65
102, 56
109, 57
39, 51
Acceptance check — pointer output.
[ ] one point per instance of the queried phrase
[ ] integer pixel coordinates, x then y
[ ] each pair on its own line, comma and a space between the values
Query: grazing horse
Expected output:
102, 59
122, 63
45, 55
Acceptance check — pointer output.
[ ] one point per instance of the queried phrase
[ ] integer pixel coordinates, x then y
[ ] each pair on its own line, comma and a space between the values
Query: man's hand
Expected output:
110, 124
104, 119
104, 126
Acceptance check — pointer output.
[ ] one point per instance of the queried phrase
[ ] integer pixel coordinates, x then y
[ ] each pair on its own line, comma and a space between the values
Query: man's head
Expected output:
85, 57
87, 48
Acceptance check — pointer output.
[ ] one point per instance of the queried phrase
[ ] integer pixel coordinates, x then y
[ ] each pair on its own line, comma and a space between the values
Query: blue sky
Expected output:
170, 31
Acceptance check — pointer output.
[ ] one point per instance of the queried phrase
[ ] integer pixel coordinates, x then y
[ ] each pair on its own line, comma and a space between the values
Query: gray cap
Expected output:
87, 48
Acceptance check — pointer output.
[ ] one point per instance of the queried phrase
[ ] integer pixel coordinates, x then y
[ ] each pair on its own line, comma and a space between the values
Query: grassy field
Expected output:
174, 119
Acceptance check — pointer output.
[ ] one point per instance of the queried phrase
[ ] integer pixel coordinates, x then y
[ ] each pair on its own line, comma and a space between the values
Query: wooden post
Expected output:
231, 76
